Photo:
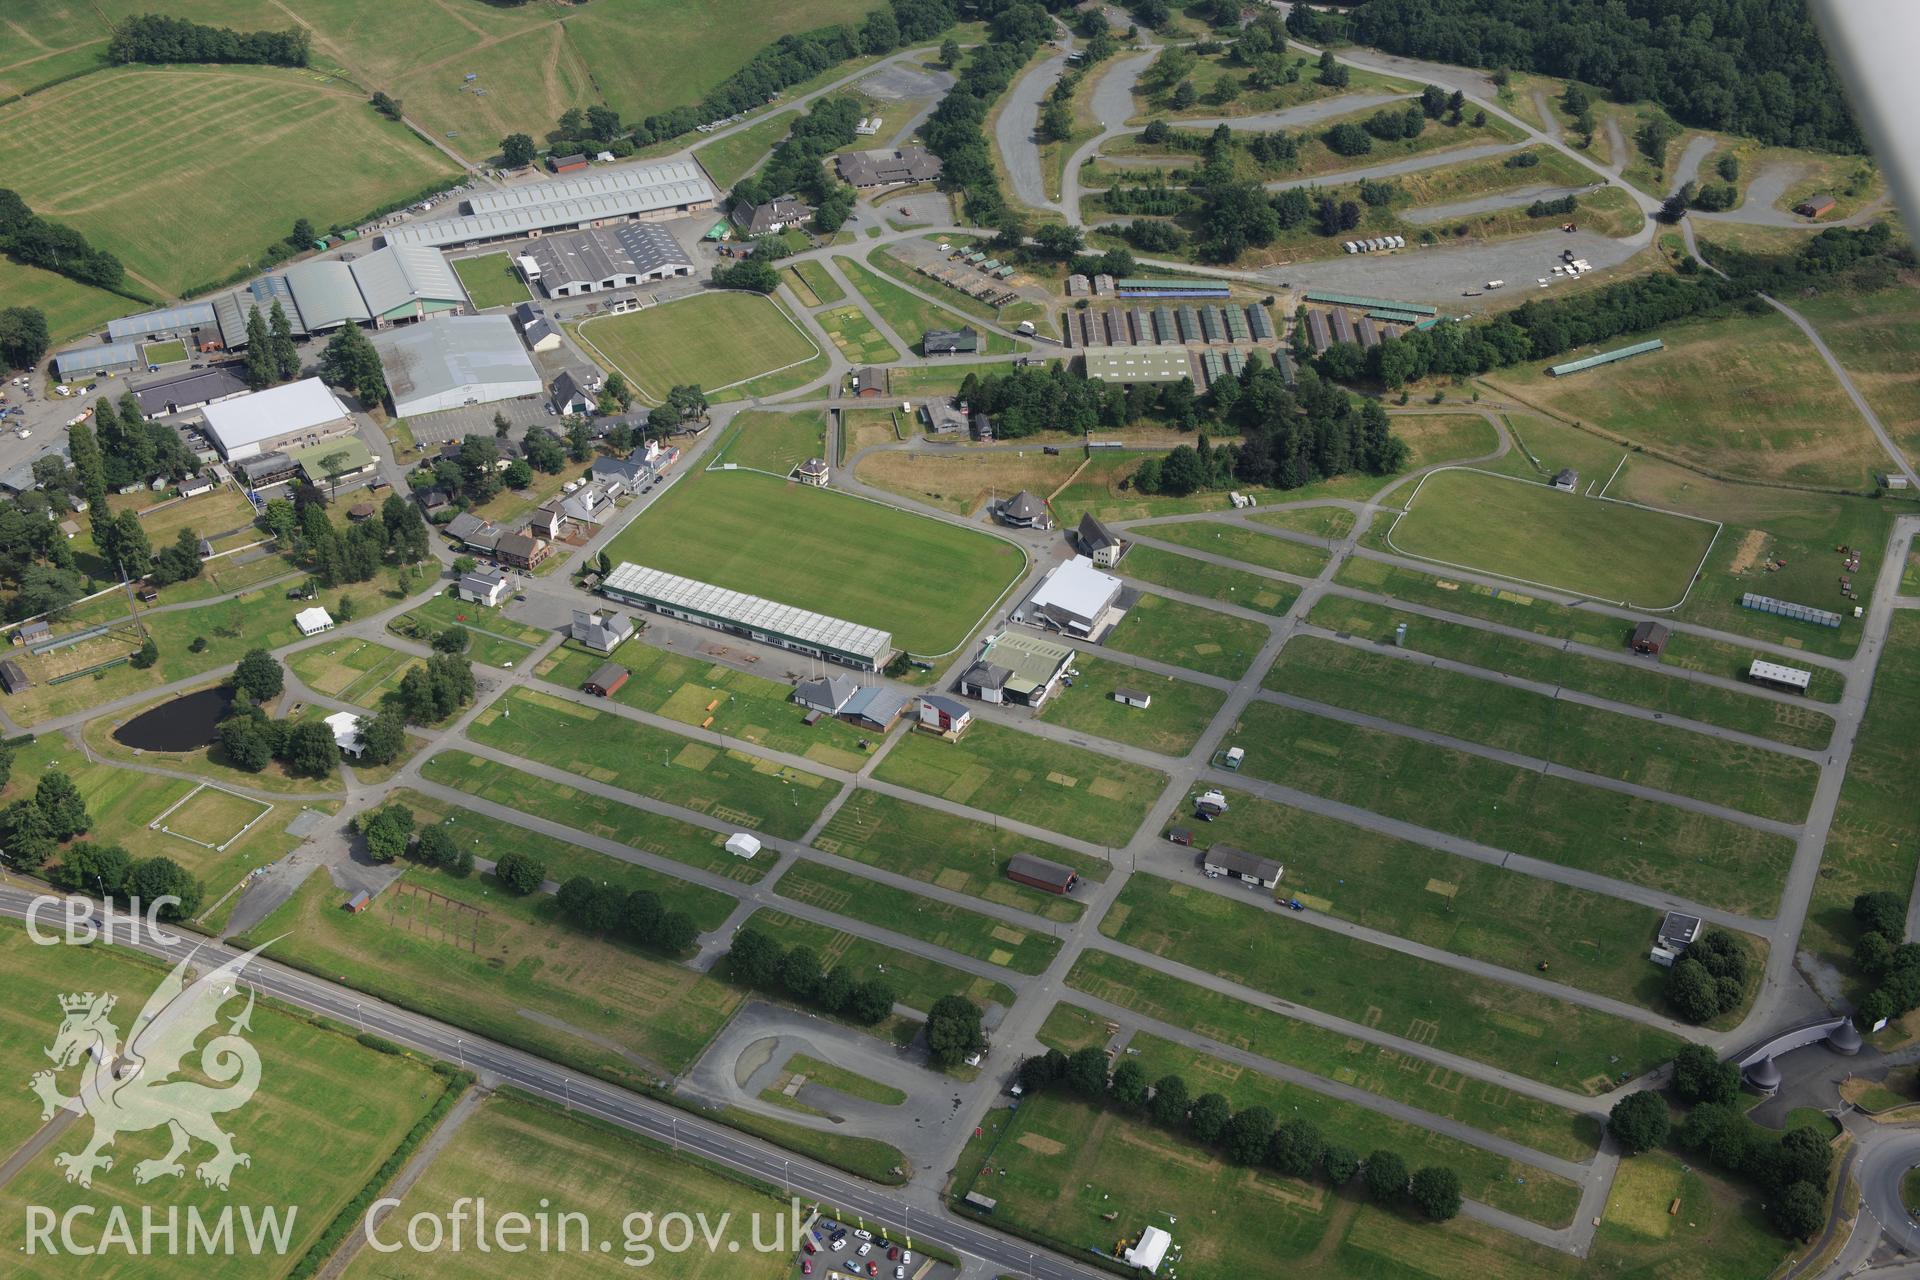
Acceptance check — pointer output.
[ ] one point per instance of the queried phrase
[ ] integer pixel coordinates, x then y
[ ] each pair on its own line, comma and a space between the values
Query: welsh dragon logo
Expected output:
136, 1088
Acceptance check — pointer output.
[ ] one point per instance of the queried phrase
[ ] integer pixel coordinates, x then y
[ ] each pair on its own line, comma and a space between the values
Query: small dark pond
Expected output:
185, 724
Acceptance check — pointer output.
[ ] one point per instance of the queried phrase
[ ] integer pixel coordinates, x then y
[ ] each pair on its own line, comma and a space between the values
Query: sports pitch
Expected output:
1534, 534
710, 340
171, 152
926, 581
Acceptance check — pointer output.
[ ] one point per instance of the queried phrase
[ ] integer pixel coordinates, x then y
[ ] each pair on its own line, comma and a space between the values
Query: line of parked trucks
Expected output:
1376, 245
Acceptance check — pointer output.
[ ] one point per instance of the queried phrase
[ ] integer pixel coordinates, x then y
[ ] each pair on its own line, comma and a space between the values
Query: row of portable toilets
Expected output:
1377, 245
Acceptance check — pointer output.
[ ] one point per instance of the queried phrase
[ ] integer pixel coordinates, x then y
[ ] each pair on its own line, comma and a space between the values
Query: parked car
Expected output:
806, 1267
863, 1250
863, 1235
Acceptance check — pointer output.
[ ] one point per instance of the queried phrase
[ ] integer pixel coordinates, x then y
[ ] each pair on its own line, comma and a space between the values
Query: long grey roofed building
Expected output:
114, 355
327, 294
450, 361
606, 181
189, 390
801, 630
411, 279
231, 309
167, 320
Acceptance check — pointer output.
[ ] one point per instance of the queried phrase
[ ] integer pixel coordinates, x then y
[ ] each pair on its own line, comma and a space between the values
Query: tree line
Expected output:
1755, 67
797, 164
756, 960
1891, 965
32, 241
957, 129
1250, 1137
154, 37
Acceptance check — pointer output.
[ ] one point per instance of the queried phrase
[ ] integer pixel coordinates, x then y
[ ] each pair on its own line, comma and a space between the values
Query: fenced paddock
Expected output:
211, 816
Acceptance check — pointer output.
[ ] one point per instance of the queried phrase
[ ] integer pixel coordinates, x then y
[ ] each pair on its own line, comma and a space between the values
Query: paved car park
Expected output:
835, 1250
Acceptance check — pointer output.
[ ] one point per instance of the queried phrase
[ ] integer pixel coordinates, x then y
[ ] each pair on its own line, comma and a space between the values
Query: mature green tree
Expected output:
871, 1001
24, 338
26, 836
754, 959
151, 879
179, 561
1385, 1176
953, 1030
1799, 1211
386, 831
433, 847
61, 805
351, 361
800, 972
1170, 1101
245, 743
949, 53
1207, 1118
1340, 1164
261, 368
516, 151
1128, 1088
1639, 1122
145, 656
1436, 1189
1297, 1148
1700, 1076
1087, 1072
286, 359
92, 868
259, 676
310, 750
1248, 1135
520, 873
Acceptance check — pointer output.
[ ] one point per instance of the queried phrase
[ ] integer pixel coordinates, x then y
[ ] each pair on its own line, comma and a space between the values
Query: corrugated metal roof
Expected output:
1606, 357
395, 276
768, 616
610, 180
571, 212
479, 354
85, 359
165, 320
1370, 304
326, 294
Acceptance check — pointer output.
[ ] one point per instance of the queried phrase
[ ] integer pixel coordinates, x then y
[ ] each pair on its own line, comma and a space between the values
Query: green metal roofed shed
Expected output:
1606, 357
1368, 304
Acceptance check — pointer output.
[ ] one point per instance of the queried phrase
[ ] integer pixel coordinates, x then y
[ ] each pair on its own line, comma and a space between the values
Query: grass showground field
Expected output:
1544, 816
1372, 681
353, 670
926, 581
774, 442
1271, 1034
1449, 1009
728, 159
961, 480
1237, 542
327, 1115
1537, 535
856, 337
917, 981
1033, 780
968, 933
594, 814
493, 639
525, 1157
1058, 1167
910, 316
1797, 722
955, 853
163, 353
1719, 1223
1204, 578
1168, 630
816, 281
1179, 713
731, 785
1506, 917
1876, 338
1746, 396
490, 280
709, 340
171, 152
71, 308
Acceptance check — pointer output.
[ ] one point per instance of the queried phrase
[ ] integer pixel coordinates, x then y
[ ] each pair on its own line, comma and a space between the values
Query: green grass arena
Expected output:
926, 581
710, 340
1538, 535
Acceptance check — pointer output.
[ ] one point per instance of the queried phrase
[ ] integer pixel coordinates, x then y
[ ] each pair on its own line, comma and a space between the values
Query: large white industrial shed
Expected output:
608, 181
449, 361
297, 414
327, 295
166, 321
737, 613
647, 191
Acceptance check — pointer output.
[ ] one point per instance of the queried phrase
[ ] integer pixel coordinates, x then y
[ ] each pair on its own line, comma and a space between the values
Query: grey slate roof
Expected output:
829, 693
1023, 506
1095, 536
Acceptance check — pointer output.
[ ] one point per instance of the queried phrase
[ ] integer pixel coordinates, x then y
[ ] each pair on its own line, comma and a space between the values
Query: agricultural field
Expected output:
570, 807
958, 854
917, 982
71, 308
525, 1157
740, 705
1165, 630
1204, 578
1503, 916
1874, 839
1333, 1055
491, 281
1171, 725
1237, 542
48, 40
856, 337
508, 968
353, 670
926, 581
1018, 776
321, 152
1060, 1166
773, 442
493, 639
963, 481
734, 786
710, 340
1374, 681
328, 1114
1545, 1039
729, 159
1547, 619
1746, 397
909, 315
1538, 535
1796, 722
969, 933
1537, 815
